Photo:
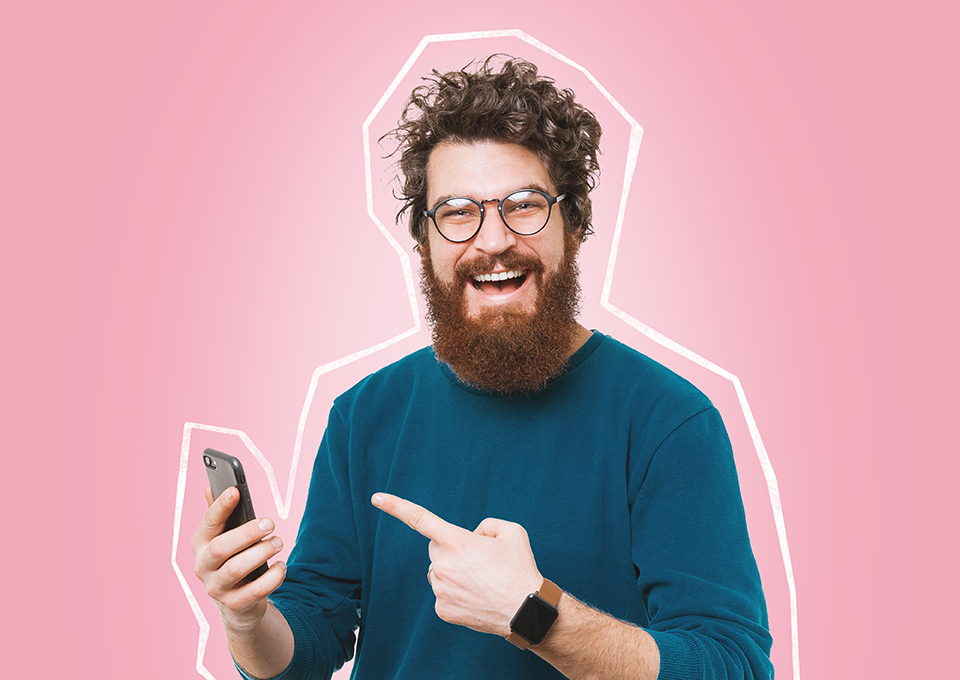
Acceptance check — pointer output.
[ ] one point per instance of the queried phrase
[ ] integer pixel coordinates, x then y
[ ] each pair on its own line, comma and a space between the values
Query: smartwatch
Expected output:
536, 615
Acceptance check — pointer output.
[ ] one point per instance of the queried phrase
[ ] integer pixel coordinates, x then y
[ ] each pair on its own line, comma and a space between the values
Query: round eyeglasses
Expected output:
525, 212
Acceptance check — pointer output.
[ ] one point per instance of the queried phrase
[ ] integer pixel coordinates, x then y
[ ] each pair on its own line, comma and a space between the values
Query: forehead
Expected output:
483, 170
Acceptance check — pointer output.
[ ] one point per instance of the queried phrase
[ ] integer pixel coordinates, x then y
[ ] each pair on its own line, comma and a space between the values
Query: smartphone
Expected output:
224, 471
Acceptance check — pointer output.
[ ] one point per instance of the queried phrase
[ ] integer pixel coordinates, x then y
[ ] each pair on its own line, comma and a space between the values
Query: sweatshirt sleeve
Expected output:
697, 574
320, 596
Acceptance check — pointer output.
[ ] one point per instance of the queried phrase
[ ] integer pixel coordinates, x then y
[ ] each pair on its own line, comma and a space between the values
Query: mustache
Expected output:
508, 260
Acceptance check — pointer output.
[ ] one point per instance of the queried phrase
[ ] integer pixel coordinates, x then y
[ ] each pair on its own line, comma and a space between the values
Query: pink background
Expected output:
186, 240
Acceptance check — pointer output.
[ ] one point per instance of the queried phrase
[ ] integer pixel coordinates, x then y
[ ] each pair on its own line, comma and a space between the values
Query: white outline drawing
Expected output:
283, 505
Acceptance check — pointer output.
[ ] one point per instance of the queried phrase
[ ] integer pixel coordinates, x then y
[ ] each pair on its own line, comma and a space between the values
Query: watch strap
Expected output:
549, 592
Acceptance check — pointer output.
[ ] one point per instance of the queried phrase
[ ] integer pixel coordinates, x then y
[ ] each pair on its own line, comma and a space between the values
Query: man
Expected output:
610, 479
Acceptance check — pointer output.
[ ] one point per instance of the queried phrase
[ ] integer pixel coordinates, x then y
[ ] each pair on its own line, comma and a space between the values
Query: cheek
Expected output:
443, 259
552, 255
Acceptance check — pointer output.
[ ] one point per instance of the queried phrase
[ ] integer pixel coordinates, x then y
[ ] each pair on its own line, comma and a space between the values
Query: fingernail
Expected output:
266, 524
276, 542
377, 499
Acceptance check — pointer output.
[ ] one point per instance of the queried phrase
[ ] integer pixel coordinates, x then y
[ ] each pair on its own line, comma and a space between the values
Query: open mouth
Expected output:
499, 283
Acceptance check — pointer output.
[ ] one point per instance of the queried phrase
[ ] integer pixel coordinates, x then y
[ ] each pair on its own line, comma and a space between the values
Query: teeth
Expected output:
498, 276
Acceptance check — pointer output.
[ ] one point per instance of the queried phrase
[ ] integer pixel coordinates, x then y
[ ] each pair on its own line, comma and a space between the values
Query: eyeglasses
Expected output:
525, 212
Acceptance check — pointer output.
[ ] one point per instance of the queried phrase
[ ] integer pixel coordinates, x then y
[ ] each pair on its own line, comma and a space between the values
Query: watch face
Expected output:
534, 618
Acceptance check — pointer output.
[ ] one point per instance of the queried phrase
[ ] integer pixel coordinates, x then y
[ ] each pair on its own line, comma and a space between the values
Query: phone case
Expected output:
224, 471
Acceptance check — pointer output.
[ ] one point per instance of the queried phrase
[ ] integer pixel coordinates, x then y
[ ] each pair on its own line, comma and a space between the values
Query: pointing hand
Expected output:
480, 578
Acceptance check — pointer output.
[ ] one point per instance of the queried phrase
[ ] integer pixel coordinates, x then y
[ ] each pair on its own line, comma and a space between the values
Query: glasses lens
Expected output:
458, 218
526, 211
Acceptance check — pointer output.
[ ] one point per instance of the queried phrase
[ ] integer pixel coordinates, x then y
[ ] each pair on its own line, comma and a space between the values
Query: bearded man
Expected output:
590, 473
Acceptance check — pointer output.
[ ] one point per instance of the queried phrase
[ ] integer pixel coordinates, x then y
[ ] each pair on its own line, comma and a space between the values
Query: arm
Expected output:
320, 594
258, 636
480, 579
265, 649
696, 573
585, 643
696, 570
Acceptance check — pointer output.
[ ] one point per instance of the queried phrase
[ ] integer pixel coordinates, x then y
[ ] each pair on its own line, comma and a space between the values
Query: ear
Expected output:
422, 248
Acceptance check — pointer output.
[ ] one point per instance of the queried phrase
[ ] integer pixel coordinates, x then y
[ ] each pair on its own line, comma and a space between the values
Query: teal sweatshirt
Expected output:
620, 471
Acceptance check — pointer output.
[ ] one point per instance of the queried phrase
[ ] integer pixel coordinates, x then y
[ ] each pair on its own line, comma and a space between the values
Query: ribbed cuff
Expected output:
679, 656
302, 664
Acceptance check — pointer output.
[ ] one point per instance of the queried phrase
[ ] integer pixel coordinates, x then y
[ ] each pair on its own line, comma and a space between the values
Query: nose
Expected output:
494, 237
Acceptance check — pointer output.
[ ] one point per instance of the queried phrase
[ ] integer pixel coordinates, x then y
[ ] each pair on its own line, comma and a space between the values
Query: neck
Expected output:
579, 339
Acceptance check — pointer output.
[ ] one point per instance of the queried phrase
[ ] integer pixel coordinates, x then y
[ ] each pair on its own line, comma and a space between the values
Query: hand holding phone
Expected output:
230, 550
224, 471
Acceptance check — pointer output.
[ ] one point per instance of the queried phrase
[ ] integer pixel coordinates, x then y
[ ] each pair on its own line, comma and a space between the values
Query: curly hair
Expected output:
504, 102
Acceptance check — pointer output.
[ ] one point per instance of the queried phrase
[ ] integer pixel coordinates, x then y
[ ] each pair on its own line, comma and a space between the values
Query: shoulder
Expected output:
392, 382
647, 401
647, 383
677, 437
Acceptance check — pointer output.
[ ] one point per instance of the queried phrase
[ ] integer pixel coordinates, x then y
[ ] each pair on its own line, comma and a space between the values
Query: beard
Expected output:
509, 352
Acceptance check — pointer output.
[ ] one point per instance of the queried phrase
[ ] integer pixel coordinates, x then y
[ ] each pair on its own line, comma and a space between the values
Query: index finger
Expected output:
418, 518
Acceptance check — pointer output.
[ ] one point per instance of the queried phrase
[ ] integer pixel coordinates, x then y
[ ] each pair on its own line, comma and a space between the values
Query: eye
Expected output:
523, 202
458, 210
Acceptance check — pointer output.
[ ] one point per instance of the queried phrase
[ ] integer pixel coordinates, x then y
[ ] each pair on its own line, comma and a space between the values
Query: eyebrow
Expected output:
532, 185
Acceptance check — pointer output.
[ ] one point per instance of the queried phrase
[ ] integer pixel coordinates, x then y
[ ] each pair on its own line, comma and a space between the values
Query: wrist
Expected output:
263, 647
536, 615
243, 625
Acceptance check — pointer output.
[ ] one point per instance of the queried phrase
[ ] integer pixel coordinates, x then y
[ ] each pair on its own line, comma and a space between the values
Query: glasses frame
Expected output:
551, 200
